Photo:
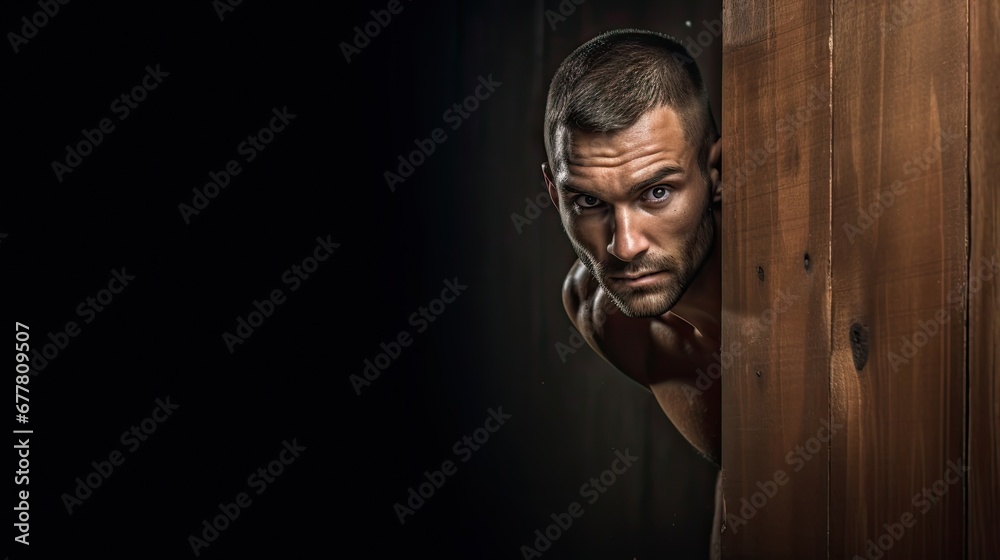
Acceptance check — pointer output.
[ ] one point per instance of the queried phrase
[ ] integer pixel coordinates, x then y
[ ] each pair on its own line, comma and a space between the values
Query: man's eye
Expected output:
587, 201
657, 193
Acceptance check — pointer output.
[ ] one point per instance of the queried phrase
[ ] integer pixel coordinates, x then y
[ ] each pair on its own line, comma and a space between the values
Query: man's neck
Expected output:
701, 304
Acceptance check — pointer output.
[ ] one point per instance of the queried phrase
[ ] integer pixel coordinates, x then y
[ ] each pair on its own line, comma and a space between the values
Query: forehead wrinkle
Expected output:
614, 157
599, 174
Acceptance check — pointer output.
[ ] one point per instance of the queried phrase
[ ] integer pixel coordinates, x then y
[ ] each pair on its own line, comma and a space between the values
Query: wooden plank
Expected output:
984, 304
776, 208
900, 217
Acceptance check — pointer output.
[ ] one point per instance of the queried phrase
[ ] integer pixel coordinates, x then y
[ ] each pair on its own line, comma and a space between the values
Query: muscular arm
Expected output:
654, 352
622, 342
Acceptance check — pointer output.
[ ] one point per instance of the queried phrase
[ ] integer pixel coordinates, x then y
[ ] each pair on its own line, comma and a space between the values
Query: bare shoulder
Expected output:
621, 341
578, 290
582, 296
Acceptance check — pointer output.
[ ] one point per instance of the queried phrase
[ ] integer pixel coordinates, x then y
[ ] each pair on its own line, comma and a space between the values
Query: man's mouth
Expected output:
635, 276
639, 279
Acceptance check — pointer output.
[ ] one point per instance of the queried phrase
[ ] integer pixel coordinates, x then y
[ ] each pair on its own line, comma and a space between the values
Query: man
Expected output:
634, 167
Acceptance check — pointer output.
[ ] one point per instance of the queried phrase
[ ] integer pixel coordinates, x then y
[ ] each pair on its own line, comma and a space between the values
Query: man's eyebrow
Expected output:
660, 174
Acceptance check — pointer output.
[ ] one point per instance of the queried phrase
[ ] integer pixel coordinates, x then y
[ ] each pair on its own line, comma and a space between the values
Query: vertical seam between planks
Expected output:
829, 286
966, 498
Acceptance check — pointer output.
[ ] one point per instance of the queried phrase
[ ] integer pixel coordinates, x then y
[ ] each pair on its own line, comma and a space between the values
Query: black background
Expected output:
494, 347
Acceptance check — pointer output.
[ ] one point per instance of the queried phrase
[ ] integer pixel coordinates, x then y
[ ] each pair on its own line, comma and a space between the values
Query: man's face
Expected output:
637, 209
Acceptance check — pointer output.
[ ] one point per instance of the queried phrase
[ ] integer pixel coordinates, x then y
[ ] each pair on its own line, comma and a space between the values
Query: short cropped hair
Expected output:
613, 79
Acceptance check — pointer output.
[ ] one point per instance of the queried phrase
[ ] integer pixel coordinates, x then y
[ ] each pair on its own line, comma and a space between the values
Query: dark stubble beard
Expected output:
657, 300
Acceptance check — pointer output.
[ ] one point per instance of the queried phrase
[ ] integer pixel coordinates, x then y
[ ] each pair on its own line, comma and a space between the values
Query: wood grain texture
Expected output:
899, 266
984, 304
776, 209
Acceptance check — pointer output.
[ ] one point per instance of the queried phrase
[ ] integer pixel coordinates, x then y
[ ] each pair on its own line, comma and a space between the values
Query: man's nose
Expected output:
627, 240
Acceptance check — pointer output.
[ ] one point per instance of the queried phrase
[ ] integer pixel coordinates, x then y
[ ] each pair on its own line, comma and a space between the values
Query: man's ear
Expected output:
550, 184
715, 169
